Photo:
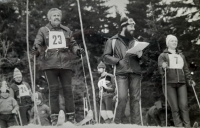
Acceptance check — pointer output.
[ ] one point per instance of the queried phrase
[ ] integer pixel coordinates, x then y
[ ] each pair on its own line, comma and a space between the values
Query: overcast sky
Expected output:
121, 4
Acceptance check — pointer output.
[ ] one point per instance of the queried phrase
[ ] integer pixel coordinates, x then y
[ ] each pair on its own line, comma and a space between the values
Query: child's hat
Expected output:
17, 73
101, 65
4, 88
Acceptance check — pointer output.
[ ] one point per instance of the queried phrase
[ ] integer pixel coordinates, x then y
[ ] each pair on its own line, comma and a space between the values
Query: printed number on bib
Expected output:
175, 61
23, 90
56, 40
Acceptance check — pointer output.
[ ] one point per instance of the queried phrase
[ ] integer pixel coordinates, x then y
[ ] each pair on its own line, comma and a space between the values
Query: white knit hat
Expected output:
169, 37
4, 87
52, 11
17, 73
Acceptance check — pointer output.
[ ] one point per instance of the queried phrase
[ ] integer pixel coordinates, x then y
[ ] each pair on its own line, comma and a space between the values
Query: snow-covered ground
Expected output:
69, 125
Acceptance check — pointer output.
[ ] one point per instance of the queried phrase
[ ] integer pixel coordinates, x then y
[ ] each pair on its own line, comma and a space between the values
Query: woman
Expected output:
177, 74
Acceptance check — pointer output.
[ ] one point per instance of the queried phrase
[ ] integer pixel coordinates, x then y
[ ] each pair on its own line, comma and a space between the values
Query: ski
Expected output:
61, 118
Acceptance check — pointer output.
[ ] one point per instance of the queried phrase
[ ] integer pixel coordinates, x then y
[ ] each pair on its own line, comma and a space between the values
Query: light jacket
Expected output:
7, 105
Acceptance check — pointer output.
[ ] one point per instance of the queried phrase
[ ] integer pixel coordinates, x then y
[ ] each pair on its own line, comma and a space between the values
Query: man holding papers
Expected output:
127, 69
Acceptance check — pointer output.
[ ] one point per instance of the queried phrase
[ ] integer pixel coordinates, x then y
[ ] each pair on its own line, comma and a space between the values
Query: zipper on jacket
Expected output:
177, 75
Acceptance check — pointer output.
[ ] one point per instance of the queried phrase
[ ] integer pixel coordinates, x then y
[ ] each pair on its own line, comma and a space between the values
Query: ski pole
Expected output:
86, 85
101, 92
88, 62
141, 105
16, 120
116, 85
196, 96
20, 119
166, 96
34, 83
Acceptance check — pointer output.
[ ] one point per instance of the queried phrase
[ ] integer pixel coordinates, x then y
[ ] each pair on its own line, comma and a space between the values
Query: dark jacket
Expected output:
173, 75
44, 114
25, 100
125, 63
55, 58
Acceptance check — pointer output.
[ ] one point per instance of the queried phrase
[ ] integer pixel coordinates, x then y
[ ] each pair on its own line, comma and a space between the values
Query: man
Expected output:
106, 92
128, 71
55, 45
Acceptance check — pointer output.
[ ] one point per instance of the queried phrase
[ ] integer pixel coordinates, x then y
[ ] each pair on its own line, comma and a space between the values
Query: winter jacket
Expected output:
125, 63
44, 114
7, 105
55, 58
173, 75
25, 100
111, 85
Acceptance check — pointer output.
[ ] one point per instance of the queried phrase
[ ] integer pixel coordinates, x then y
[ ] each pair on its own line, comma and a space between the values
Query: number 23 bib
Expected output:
23, 90
56, 40
175, 61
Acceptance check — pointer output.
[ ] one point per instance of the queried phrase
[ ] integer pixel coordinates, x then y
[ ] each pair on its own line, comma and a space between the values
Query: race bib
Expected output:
56, 40
23, 90
175, 61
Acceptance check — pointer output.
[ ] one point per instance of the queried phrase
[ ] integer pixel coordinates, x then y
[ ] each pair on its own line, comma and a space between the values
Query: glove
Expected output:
139, 53
80, 52
34, 51
191, 83
164, 65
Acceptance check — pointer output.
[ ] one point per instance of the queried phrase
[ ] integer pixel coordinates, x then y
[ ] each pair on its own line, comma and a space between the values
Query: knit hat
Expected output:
52, 11
101, 65
4, 87
169, 37
125, 20
17, 73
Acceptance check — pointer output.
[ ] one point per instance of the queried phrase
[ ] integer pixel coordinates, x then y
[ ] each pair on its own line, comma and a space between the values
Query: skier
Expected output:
177, 70
42, 109
23, 95
8, 107
55, 47
106, 93
128, 70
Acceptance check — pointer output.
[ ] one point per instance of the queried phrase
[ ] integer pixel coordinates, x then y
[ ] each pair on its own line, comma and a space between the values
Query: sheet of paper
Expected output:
139, 46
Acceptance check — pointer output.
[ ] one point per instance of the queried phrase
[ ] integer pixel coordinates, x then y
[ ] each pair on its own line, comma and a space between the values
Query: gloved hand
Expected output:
164, 65
191, 83
80, 52
34, 51
139, 53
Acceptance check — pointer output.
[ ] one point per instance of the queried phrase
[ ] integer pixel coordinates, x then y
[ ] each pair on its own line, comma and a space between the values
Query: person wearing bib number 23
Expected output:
176, 72
54, 45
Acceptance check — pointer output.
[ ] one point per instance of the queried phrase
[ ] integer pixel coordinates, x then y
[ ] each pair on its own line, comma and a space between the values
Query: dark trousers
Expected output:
177, 99
107, 103
55, 77
129, 82
7, 120
24, 113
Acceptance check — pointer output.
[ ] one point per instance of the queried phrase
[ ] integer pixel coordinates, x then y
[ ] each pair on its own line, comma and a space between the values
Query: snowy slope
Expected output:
69, 125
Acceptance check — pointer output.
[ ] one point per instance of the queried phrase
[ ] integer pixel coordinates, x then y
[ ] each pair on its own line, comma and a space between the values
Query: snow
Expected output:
70, 125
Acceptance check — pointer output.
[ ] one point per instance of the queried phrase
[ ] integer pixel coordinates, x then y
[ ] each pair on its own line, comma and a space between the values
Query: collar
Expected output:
167, 51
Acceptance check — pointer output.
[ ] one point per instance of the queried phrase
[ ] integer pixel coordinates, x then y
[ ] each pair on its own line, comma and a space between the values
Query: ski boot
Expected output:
54, 119
71, 118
